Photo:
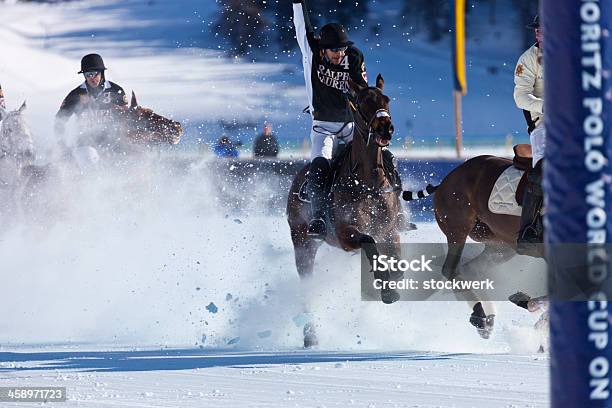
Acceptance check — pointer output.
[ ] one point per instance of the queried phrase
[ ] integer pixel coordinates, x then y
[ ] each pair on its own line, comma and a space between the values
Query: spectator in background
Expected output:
225, 148
2, 104
266, 144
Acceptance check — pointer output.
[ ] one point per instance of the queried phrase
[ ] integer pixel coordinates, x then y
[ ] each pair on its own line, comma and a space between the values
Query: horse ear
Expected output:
380, 82
355, 86
22, 107
134, 103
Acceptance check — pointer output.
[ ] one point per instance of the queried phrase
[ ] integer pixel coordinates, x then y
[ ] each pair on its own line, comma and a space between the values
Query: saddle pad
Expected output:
503, 195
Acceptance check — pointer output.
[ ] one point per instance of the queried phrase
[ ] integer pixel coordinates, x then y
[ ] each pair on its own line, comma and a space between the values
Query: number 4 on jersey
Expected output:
345, 62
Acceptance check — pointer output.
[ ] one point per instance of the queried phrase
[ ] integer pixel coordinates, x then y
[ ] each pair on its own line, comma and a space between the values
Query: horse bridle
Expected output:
362, 188
380, 113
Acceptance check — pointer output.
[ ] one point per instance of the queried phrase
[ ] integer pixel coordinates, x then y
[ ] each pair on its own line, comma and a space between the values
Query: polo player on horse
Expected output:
91, 102
329, 62
528, 95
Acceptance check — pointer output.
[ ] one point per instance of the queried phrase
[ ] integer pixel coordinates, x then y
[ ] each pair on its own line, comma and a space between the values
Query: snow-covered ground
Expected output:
195, 378
140, 290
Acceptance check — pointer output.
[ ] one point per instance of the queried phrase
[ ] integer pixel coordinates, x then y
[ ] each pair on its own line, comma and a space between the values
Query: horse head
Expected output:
373, 131
15, 135
145, 125
373, 116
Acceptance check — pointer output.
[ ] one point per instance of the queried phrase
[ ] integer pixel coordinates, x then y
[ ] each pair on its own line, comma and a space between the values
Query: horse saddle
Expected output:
507, 193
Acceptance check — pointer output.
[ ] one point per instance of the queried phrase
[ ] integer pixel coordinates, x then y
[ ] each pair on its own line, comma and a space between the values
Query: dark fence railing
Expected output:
261, 186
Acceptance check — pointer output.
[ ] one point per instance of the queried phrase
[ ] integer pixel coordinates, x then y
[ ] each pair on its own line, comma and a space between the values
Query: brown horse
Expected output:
461, 208
127, 129
363, 206
145, 126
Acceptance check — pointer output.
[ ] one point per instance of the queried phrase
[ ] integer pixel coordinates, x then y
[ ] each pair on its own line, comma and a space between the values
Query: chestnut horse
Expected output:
362, 205
461, 208
126, 129
145, 126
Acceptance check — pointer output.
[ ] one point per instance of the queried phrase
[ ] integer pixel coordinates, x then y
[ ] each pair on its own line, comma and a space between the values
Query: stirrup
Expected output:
317, 229
528, 241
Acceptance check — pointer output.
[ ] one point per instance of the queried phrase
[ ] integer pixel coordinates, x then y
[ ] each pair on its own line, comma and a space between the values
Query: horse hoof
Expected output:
520, 299
389, 296
310, 342
317, 229
484, 325
310, 336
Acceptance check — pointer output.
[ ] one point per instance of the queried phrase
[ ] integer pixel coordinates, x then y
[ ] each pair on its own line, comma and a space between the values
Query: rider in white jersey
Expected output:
529, 96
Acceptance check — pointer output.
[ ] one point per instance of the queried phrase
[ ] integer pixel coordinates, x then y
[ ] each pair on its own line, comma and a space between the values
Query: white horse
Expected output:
16, 155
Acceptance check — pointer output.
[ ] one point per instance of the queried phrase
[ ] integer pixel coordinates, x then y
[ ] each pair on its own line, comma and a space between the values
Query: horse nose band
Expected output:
380, 113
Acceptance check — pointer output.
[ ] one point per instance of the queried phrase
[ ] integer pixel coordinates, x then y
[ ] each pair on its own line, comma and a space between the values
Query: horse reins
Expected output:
323, 131
363, 189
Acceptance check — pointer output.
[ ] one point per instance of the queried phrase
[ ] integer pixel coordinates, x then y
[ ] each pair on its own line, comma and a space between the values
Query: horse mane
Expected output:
145, 110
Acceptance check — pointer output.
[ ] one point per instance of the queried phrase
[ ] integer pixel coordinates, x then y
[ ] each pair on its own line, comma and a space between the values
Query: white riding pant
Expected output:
325, 137
537, 139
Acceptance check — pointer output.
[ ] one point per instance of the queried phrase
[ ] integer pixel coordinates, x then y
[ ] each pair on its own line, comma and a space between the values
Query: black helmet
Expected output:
535, 23
92, 62
333, 35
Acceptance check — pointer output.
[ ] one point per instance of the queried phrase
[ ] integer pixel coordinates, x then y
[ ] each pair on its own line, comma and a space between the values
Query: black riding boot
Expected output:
529, 232
317, 186
391, 170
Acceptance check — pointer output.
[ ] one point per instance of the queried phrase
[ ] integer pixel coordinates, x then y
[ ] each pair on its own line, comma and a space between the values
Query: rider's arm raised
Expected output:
308, 44
525, 76
304, 31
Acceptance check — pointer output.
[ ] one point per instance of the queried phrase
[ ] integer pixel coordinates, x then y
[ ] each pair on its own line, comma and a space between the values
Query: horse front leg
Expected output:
483, 311
350, 238
305, 251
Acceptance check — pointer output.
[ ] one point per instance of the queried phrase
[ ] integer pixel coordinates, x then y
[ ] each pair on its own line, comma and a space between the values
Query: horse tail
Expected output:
412, 195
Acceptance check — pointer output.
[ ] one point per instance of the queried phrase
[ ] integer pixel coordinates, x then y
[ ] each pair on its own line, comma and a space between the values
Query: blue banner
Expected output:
577, 63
